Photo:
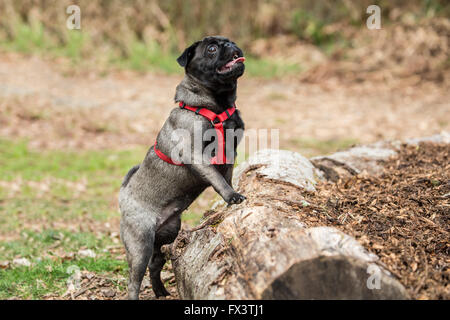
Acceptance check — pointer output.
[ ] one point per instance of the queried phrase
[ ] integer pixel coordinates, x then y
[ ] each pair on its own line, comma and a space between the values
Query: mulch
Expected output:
401, 215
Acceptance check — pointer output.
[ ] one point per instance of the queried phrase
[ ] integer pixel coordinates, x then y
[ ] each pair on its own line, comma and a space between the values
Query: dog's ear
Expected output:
187, 55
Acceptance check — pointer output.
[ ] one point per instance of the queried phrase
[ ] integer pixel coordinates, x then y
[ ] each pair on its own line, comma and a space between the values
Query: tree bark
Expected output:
261, 250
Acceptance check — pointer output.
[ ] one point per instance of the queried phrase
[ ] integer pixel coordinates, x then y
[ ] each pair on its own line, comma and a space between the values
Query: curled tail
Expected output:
129, 175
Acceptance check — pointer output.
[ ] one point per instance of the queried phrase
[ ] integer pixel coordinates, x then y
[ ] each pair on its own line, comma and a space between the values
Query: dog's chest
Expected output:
233, 129
234, 122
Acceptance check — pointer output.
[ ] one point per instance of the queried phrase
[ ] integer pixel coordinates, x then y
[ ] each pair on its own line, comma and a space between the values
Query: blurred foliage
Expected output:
143, 33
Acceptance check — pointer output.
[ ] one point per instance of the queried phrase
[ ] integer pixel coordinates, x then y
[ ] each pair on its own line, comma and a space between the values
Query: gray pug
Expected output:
155, 193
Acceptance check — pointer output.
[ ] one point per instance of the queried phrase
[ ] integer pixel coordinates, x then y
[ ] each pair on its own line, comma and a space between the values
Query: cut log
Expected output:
261, 250
367, 158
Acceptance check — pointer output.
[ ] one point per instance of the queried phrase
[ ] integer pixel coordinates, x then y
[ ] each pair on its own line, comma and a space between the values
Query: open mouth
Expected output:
229, 66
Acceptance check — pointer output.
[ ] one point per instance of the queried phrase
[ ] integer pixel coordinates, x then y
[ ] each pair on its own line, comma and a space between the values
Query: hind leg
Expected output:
138, 237
164, 235
156, 264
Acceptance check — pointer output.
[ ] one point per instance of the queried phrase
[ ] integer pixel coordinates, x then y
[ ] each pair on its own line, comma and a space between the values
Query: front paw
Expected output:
235, 198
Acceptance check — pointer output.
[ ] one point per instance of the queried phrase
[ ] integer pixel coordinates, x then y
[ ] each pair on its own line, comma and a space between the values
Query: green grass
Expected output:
28, 38
50, 276
48, 252
140, 56
59, 185
270, 69
150, 57
33, 39
100, 171
60, 174
192, 217
27, 216
313, 147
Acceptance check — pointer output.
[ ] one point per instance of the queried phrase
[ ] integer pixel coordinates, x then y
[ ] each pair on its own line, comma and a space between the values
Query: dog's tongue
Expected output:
240, 59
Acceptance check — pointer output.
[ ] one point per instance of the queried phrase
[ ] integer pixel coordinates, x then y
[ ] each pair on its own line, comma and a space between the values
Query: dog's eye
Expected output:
212, 49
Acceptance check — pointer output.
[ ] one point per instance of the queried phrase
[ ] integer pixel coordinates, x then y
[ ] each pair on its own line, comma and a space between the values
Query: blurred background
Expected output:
78, 108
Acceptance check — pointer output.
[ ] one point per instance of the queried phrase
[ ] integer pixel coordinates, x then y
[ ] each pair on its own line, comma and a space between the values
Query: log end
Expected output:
334, 277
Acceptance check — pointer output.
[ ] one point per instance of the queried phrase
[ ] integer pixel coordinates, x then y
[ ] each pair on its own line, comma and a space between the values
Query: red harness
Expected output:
217, 121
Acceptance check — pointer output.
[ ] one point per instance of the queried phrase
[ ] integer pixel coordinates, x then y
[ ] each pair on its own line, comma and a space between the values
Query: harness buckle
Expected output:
215, 121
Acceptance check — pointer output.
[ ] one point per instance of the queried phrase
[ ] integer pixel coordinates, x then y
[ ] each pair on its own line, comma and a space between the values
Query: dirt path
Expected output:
306, 114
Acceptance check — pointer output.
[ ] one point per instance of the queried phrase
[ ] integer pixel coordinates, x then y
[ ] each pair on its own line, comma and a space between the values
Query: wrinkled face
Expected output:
214, 61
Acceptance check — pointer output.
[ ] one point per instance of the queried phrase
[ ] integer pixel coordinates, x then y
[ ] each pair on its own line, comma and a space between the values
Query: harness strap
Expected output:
217, 121
165, 158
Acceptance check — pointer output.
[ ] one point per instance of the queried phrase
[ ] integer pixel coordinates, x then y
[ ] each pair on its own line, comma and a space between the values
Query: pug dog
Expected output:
155, 193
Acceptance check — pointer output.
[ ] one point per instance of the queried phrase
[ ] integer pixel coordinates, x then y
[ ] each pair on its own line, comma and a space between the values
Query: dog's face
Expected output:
215, 61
